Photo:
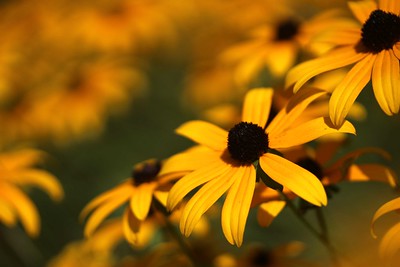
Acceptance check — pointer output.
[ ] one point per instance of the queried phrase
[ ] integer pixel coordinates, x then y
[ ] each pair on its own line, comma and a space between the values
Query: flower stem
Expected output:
322, 237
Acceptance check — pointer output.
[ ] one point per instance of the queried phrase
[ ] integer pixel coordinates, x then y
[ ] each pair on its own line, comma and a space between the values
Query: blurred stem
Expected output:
322, 237
174, 233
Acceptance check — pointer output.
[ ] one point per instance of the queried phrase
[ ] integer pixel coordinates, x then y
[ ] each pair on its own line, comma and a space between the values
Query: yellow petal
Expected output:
300, 181
237, 204
385, 208
204, 133
257, 105
337, 58
249, 67
107, 237
193, 180
204, 199
130, 226
268, 211
390, 245
24, 208
161, 196
294, 108
386, 81
189, 160
348, 90
390, 6
7, 214
371, 172
41, 179
141, 200
282, 58
307, 132
126, 189
102, 212
362, 9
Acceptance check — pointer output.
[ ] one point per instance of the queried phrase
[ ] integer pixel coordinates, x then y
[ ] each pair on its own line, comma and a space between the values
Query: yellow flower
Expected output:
319, 162
375, 50
16, 170
224, 161
137, 192
275, 46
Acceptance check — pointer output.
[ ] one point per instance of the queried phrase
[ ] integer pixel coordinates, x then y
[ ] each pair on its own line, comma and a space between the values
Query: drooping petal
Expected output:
249, 67
386, 82
237, 204
283, 57
7, 214
335, 59
41, 179
24, 208
268, 211
126, 188
390, 6
130, 226
204, 133
371, 172
307, 132
294, 108
300, 181
385, 208
102, 212
390, 245
204, 199
193, 180
141, 200
362, 9
348, 90
108, 236
257, 105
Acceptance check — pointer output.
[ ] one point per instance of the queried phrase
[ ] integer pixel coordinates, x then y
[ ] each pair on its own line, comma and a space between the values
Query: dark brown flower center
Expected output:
286, 30
381, 31
247, 142
146, 171
312, 166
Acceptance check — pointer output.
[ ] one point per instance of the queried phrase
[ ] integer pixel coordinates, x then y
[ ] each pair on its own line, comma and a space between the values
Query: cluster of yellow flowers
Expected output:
294, 68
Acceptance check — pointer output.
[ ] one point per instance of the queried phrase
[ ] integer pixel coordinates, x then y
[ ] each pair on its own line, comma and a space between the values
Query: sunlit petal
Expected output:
362, 9
300, 181
348, 90
268, 211
237, 205
307, 132
294, 108
97, 217
193, 180
283, 57
141, 200
337, 58
371, 172
390, 6
204, 199
204, 133
257, 105
386, 81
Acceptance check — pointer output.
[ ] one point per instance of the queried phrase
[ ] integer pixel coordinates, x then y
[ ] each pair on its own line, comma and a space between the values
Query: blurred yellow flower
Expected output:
17, 171
138, 191
374, 48
224, 161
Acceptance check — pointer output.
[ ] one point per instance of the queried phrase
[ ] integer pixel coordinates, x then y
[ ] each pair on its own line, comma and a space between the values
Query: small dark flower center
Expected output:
247, 142
260, 257
381, 31
146, 171
312, 166
286, 30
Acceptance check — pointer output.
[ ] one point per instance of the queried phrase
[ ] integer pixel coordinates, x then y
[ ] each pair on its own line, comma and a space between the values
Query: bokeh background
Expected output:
101, 85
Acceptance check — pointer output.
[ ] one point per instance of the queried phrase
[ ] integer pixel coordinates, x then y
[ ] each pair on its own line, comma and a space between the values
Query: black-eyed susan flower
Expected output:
17, 171
227, 158
138, 192
374, 48
320, 161
286, 37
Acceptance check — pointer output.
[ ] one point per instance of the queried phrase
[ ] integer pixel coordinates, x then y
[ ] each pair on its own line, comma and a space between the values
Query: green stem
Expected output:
321, 237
